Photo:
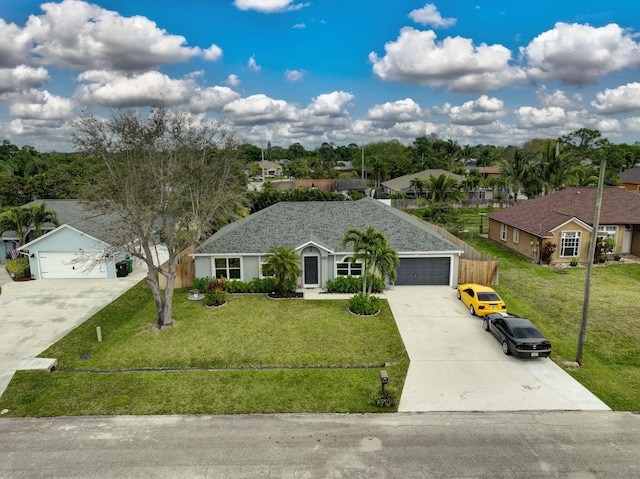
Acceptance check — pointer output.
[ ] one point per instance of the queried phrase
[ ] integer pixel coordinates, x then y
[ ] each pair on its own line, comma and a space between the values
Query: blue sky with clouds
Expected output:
350, 71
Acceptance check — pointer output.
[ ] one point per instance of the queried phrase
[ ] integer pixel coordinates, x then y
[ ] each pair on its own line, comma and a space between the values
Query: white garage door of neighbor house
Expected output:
69, 266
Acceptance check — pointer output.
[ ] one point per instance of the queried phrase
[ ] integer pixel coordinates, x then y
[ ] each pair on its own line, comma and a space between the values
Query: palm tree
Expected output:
16, 219
556, 170
41, 215
385, 262
283, 263
515, 172
364, 246
418, 184
443, 189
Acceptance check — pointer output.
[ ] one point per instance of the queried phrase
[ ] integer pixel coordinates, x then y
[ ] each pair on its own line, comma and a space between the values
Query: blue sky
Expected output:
350, 71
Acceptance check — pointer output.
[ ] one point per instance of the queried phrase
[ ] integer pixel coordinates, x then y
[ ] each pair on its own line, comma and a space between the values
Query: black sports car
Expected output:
518, 336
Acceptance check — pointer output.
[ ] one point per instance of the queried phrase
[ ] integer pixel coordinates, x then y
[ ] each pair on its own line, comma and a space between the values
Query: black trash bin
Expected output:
122, 269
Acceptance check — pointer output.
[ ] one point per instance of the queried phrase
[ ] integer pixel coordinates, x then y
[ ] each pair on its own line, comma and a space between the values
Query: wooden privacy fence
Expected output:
473, 267
185, 270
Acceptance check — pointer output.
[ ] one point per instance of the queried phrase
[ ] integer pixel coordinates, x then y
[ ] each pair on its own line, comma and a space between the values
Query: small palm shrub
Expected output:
364, 305
199, 285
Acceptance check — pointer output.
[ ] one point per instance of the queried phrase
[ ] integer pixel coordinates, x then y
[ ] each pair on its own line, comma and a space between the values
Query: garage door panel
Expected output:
64, 265
424, 271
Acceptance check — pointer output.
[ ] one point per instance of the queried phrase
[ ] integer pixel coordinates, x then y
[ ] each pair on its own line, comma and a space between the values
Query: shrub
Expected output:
215, 292
383, 398
547, 252
352, 285
364, 305
200, 284
19, 268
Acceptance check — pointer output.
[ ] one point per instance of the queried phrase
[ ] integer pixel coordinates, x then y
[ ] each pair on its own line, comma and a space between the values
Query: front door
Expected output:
311, 271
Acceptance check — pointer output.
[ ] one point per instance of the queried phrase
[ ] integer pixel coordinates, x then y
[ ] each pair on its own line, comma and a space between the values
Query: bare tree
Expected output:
167, 178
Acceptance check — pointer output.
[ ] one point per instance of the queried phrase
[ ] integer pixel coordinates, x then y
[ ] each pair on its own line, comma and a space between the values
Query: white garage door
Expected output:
69, 265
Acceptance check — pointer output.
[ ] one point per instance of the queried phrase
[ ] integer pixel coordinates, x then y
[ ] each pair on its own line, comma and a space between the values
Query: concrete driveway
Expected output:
36, 314
457, 366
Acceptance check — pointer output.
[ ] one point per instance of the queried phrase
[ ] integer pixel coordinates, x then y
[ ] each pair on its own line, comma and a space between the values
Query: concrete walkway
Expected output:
457, 366
36, 314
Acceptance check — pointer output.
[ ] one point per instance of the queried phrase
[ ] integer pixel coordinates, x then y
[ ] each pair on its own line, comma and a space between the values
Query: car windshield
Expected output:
526, 332
488, 296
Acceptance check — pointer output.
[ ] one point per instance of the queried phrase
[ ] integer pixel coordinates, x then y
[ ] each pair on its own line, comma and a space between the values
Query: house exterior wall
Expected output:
527, 244
585, 240
631, 186
69, 241
635, 242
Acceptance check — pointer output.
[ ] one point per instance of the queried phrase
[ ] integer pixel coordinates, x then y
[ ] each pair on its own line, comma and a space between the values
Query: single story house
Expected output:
565, 218
342, 186
79, 248
315, 230
403, 183
630, 179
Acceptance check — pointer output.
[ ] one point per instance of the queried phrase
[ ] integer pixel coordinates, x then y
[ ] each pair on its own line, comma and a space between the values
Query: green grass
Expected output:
611, 355
254, 355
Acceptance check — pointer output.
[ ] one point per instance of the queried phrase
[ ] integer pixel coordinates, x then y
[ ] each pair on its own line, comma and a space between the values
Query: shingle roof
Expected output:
324, 223
541, 215
74, 213
404, 182
631, 176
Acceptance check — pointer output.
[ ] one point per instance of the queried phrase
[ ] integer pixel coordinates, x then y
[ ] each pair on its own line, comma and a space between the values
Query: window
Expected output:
570, 244
349, 267
227, 268
503, 232
516, 235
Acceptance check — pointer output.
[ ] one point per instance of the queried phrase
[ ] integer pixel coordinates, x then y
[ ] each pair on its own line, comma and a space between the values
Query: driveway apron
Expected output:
457, 366
36, 314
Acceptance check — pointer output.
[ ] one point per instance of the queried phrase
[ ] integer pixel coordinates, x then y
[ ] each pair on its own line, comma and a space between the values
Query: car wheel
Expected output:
505, 347
472, 311
458, 295
485, 324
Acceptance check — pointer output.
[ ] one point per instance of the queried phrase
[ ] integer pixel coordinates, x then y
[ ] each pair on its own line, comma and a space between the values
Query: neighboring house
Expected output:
331, 186
78, 248
270, 169
630, 179
315, 229
403, 183
565, 218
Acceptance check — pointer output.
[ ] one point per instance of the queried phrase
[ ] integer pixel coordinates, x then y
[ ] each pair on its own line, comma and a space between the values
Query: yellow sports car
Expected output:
480, 300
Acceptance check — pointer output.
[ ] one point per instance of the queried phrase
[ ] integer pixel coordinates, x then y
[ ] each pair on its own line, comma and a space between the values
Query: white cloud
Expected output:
294, 75
114, 90
233, 80
42, 106
330, 104
623, 99
482, 111
257, 109
416, 57
390, 113
22, 78
429, 15
578, 54
533, 118
269, 6
253, 66
299, 26
558, 98
79, 35
15, 45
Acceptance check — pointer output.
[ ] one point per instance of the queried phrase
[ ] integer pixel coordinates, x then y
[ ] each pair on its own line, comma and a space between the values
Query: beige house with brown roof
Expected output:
565, 218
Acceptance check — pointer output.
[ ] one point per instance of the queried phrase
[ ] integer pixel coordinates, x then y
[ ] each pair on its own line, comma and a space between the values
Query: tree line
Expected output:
538, 167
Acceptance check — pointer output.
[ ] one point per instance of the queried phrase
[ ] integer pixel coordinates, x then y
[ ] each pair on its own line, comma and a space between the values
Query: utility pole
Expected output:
363, 161
592, 252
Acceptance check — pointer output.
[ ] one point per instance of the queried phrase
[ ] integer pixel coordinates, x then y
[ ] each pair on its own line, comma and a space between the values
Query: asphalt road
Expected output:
573, 445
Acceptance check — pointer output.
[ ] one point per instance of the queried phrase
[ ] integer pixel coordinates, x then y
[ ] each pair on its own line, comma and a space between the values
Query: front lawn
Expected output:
253, 355
553, 297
